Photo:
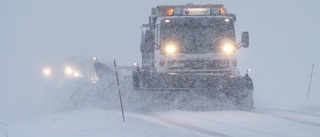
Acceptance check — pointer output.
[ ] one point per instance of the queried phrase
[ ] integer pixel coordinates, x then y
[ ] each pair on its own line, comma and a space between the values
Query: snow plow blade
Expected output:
190, 81
238, 89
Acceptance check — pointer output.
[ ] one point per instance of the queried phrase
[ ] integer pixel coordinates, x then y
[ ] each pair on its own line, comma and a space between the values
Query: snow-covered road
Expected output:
98, 122
260, 123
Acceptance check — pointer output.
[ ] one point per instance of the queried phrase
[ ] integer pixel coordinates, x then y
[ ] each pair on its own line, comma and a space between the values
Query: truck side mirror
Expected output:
245, 39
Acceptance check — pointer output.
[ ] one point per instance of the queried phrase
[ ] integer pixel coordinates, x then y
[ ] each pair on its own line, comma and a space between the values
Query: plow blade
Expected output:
191, 81
236, 89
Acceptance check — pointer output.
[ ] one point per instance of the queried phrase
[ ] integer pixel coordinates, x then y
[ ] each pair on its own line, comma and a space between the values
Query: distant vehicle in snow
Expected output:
102, 70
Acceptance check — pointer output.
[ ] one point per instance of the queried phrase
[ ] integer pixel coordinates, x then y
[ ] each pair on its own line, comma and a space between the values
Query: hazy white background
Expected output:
284, 43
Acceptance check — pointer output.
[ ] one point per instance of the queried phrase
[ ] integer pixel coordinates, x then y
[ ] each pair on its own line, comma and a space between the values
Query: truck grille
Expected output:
197, 64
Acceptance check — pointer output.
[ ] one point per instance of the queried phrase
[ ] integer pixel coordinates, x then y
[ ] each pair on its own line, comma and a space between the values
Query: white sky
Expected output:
284, 40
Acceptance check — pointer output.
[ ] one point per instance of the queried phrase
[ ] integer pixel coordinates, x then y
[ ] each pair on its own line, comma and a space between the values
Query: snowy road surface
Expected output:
100, 123
241, 124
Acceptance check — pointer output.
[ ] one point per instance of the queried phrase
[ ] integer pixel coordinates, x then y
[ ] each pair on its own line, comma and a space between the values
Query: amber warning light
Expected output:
170, 11
223, 11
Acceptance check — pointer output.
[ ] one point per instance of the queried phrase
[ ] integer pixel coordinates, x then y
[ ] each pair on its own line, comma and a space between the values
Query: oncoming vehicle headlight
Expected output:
46, 72
170, 49
71, 72
68, 71
76, 74
229, 49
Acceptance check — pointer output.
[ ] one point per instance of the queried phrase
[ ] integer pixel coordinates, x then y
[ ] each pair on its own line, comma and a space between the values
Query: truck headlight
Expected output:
170, 49
229, 49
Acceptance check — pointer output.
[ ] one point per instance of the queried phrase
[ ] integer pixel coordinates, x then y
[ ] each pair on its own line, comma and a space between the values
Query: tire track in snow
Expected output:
288, 118
202, 130
247, 129
157, 119
315, 115
191, 127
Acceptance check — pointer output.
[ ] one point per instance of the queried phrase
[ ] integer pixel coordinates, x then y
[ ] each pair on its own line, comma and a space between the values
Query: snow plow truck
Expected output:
192, 47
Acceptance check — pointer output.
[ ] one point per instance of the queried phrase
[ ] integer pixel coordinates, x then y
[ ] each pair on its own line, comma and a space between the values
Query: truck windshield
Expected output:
197, 35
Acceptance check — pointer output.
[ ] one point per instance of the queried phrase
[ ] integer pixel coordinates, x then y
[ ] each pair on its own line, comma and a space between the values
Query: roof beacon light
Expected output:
170, 11
223, 10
